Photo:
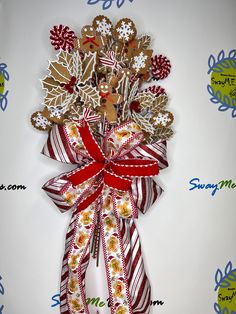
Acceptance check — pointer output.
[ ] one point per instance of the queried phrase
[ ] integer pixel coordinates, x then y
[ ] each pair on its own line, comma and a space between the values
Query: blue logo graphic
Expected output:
56, 299
226, 286
4, 76
223, 81
195, 184
2, 293
108, 3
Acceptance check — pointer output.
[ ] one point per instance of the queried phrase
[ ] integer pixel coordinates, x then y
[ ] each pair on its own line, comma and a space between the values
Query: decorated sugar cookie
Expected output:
125, 31
108, 100
103, 26
90, 41
141, 61
40, 121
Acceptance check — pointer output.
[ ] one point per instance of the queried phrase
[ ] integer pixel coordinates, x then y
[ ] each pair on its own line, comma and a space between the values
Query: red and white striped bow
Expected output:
110, 60
106, 185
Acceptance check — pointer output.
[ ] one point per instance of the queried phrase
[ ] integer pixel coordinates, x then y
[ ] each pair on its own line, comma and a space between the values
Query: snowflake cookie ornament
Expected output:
103, 26
54, 114
163, 119
141, 61
125, 30
40, 122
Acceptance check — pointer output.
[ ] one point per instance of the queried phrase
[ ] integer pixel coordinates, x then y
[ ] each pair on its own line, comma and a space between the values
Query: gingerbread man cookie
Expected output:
108, 100
90, 41
127, 49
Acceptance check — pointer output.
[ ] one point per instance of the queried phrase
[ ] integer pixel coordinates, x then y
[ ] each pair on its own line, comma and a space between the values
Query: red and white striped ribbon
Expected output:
110, 60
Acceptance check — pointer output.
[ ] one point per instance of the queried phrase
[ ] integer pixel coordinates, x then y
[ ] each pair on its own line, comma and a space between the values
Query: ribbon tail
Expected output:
64, 307
139, 285
58, 147
76, 260
64, 195
156, 151
114, 256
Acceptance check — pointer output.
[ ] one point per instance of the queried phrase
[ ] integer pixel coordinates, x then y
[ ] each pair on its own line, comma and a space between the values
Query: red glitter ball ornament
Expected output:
160, 67
62, 37
156, 90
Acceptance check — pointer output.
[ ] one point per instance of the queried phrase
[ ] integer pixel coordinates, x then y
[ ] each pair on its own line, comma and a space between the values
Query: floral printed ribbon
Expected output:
101, 187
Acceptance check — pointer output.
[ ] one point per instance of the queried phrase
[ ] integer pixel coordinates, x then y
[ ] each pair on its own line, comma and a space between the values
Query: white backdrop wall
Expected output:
187, 235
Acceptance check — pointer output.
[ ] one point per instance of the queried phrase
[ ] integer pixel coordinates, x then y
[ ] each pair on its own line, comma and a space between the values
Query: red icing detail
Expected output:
104, 95
90, 40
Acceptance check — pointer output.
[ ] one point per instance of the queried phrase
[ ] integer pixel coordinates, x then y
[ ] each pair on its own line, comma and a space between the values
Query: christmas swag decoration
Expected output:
101, 120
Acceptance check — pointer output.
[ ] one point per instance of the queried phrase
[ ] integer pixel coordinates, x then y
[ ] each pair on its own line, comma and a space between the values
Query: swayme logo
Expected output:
213, 187
222, 88
4, 76
97, 302
108, 3
226, 287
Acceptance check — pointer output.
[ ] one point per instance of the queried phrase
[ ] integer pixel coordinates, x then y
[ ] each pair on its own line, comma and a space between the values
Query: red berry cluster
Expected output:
156, 90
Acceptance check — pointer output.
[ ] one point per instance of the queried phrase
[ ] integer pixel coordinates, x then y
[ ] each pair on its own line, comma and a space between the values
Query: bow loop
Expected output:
135, 167
62, 145
122, 139
89, 142
85, 173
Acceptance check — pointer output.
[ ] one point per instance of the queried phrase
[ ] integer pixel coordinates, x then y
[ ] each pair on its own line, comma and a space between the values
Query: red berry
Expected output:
135, 106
